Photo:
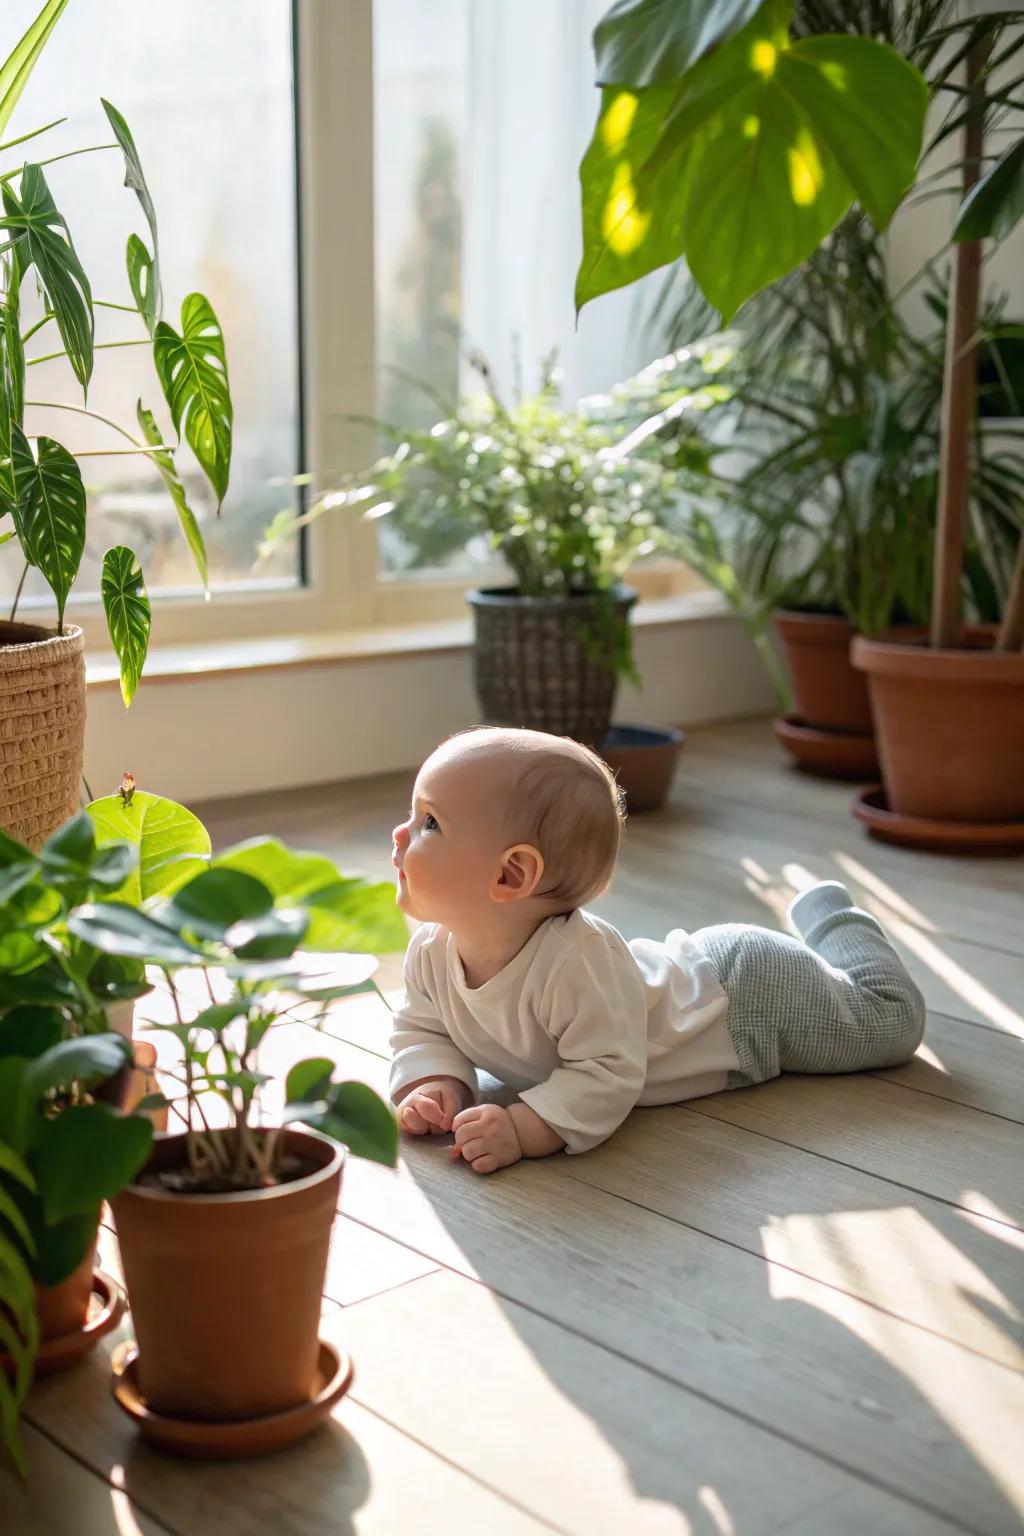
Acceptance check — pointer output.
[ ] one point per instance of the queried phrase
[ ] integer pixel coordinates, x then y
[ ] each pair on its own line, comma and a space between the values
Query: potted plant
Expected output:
701, 105
67, 1144
224, 1234
43, 501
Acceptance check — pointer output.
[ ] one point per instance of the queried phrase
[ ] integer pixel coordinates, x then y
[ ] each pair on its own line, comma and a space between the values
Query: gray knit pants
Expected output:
839, 1001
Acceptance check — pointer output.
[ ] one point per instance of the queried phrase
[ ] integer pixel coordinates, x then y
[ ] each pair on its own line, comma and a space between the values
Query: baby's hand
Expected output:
486, 1137
431, 1107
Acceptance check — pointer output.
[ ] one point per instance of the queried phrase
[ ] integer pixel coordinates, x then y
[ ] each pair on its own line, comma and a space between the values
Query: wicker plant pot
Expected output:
42, 728
535, 667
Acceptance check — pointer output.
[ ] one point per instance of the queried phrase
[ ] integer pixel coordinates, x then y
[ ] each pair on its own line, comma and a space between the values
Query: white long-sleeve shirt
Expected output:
581, 1023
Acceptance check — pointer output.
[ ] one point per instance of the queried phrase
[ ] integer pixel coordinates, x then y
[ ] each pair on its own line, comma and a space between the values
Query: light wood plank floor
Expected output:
794, 1309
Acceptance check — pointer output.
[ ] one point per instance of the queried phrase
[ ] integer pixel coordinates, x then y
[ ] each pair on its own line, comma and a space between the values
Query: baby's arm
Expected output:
430, 1077
490, 1137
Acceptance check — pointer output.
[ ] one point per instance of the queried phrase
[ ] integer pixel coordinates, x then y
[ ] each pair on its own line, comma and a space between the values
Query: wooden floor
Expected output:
795, 1308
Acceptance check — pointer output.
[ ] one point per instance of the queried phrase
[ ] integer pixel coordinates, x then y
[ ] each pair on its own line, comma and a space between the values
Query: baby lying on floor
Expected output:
510, 835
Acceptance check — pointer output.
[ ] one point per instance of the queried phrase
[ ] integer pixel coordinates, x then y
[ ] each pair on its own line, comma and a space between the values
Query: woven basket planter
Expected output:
42, 728
535, 665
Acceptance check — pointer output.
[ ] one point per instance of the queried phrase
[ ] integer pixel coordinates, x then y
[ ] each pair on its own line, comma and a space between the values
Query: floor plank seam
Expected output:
763, 1425
385, 1290
828, 1285
956, 1018
884, 1178
943, 1098
87, 1466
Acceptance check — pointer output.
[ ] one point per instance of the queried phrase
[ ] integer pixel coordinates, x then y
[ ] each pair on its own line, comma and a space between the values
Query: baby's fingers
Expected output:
410, 1121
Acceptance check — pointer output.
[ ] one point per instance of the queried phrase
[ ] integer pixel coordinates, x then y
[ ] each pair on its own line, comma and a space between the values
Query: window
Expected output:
207, 92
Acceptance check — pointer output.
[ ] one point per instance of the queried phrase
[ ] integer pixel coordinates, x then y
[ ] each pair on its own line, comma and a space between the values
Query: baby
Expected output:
510, 835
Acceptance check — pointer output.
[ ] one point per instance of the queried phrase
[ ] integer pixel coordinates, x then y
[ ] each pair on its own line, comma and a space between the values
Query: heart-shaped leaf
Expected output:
214, 900
128, 615
135, 179
21, 60
43, 240
116, 929
274, 936
86, 1058
142, 280
89, 1154
288, 873
357, 916
193, 373
361, 1121
308, 1080
749, 160
173, 845
169, 475
50, 515
653, 42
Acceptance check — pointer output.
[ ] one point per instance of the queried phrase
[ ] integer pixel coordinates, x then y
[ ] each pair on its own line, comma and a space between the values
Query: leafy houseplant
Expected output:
224, 1237
567, 506
42, 493
703, 93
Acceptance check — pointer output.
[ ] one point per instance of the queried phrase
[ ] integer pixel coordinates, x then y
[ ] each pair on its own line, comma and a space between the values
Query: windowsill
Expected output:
172, 663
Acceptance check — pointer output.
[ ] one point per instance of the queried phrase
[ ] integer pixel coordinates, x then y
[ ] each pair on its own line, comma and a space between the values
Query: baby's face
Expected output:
449, 849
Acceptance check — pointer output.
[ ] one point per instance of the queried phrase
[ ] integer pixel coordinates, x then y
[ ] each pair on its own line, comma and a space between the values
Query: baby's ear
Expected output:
522, 869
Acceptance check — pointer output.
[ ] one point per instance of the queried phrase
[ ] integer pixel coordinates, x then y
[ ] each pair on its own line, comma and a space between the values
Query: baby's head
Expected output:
507, 817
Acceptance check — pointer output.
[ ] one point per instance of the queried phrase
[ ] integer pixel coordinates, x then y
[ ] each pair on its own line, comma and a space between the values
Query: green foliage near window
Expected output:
738, 150
42, 492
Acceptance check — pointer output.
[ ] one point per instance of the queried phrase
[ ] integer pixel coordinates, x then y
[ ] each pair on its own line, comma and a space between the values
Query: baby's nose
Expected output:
400, 836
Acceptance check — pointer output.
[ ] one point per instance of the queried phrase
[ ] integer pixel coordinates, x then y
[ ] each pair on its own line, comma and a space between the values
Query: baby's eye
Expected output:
430, 823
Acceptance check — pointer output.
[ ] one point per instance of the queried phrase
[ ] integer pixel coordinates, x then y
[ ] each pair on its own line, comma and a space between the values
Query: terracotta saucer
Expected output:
106, 1308
229, 1439
872, 808
830, 754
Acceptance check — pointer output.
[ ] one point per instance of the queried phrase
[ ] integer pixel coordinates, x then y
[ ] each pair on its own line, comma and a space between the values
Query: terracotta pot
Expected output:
829, 694
225, 1290
533, 666
950, 727
644, 762
42, 728
63, 1308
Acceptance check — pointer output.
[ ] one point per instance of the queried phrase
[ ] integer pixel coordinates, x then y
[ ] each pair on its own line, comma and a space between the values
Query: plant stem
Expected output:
17, 595
98, 346
37, 327
10, 144
90, 149
960, 382
80, 410
1011, 631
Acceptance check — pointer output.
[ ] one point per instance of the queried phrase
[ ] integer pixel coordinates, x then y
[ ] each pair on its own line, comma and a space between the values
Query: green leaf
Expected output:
43, 986
64, 1244
289, 874
44, 241
11, 1213
50, 515
357, 916
308, 1080
128, 615
12, 1164
135, 179
169, 475
216, 899
90, 1153
12, 371
21, 60
274, 936
87, 1059
116, 929
142, 280
193, 374
653, 42
71, 847
749, 161
361, 1121
995, 205
173, 845
30, 1030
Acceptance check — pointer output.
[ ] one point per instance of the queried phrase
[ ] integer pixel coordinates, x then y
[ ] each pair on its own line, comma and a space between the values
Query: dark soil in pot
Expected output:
225, 1288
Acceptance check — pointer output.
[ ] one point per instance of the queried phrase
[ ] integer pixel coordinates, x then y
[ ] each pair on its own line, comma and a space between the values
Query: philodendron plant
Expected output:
41, 487
263, 924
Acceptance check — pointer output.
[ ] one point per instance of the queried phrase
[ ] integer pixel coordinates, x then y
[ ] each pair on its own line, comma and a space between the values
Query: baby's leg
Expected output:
839, 1001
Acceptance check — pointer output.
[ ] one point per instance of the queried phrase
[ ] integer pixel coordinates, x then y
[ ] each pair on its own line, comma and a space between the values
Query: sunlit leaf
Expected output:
653, 42
193, 374
116, 929
128, 615
135, 179
44, 241
173, 845
21, 60
50, 515
169, 475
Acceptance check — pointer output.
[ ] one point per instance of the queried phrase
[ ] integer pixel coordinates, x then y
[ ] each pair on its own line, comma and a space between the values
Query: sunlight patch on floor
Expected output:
960, 982
982, 1209
883, 892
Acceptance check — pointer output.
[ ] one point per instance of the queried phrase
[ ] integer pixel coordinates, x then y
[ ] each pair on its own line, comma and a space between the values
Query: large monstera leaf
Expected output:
128, 615
49, 512
749, 159
42, 240
193, 374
